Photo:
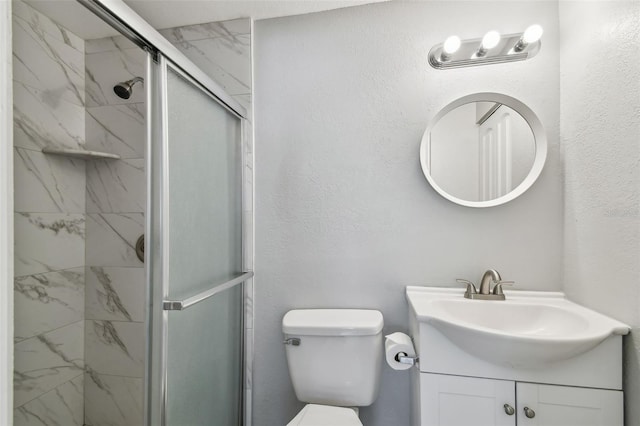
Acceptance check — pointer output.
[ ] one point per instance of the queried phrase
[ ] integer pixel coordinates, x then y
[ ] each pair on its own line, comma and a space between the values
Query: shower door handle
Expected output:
181, 305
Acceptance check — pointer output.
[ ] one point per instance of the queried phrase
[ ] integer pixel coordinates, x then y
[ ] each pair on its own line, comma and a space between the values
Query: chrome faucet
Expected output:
485, 292
485, 283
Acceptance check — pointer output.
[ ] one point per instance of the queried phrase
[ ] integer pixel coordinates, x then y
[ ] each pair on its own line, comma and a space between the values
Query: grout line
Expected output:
227, 37
103, 266
53, 389
118, 321
114, 50
49, 272
111, 105
52, 330
93, 213
103, 213
60, 213
116, 375
67, 213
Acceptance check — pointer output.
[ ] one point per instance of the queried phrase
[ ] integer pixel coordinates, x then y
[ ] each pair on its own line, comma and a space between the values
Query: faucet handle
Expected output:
497, 288
471, 287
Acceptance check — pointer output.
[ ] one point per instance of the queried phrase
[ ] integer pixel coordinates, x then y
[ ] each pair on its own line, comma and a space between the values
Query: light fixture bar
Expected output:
467, 54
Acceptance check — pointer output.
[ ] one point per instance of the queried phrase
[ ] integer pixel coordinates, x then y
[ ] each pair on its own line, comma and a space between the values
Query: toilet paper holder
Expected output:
403, 358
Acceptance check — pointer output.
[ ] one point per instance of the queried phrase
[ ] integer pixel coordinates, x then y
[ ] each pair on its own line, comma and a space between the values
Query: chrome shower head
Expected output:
124, 89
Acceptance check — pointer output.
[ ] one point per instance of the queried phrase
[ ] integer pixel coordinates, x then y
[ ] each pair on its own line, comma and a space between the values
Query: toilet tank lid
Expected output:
333, 322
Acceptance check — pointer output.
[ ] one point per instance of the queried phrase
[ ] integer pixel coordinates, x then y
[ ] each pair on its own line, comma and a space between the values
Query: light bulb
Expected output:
532, 34
490, 40
451, 45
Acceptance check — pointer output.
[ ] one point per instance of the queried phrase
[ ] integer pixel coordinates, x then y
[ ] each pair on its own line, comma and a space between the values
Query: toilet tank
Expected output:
339, 356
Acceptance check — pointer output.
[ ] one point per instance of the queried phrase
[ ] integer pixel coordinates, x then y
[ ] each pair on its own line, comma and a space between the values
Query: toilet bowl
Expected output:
326, 415
334, 358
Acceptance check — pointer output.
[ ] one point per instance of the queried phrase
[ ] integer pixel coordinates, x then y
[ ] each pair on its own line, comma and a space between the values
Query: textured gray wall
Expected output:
344, 216
600, 127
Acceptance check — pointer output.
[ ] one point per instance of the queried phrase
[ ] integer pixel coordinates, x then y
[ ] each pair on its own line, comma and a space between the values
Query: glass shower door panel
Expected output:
205, 190
204, 358
204, 362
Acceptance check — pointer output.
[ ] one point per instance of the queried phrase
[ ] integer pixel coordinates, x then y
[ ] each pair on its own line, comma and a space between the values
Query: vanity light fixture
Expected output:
493, 48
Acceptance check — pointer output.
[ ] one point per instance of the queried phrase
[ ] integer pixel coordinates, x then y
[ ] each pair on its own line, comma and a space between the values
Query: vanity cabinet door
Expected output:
463, 401
550, 405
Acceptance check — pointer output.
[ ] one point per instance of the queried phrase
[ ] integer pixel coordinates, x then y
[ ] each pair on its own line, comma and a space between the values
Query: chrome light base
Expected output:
467, 54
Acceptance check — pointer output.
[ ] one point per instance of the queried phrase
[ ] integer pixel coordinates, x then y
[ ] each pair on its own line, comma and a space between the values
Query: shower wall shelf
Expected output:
82, 154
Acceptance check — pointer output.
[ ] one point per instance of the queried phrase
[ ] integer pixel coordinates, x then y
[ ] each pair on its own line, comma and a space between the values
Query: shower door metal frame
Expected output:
158, 225
6, 215
131, 25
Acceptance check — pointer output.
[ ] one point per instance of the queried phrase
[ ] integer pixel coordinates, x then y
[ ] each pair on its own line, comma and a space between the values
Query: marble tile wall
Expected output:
60, 406
49, 93
49, 89
114, 332
79, 288
222, 50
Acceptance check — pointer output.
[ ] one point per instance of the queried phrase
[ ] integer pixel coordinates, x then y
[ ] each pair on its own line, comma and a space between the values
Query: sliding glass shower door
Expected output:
196, 252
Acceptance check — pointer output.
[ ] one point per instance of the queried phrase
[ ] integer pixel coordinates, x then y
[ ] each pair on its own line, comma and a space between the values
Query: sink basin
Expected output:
529, 329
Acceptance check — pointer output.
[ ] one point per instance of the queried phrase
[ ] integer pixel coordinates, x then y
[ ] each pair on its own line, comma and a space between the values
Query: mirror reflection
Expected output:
480, 151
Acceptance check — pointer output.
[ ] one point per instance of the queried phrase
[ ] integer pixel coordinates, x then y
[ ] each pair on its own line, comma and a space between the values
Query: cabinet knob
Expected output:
529, 412
509, 410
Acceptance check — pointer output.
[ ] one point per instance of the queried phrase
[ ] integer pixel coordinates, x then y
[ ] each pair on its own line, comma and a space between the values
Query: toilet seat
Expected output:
325, 415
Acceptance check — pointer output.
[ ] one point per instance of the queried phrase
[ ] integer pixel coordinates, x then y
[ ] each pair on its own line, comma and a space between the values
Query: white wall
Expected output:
344, 215
600, 127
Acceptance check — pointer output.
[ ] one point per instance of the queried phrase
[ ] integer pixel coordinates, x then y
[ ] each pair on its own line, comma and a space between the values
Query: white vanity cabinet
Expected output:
463, 401
536, 352
568, 406
447, 400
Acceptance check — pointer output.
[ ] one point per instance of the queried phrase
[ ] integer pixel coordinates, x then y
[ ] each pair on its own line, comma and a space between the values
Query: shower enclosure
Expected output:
115, 138
197, 238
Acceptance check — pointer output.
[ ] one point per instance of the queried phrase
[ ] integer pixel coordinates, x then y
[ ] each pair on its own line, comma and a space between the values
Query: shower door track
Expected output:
135, 28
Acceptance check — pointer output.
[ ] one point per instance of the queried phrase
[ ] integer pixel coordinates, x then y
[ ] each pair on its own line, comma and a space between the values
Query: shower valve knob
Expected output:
140, 248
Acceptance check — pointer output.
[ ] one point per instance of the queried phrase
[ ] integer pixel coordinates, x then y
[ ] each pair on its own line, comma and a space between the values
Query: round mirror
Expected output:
483, 150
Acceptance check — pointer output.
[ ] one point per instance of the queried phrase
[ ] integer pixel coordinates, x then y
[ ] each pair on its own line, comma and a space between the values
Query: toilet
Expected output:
335, 360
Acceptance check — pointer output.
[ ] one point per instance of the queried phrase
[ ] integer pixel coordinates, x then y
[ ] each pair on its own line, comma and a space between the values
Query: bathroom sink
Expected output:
528, 329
